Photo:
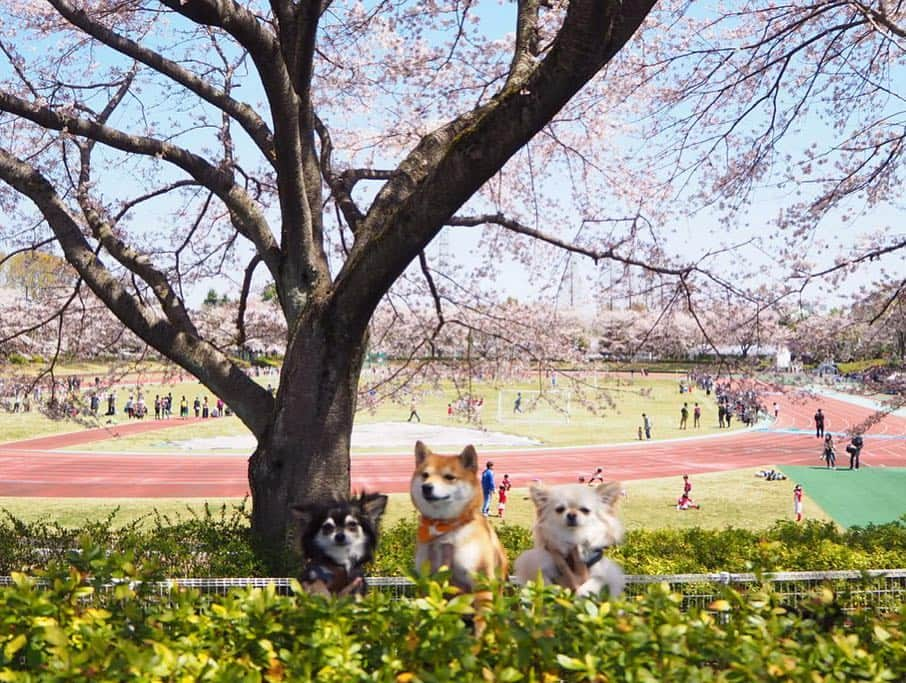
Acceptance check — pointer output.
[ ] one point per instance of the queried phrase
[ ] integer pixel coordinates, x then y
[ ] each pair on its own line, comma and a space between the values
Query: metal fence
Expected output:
879, 590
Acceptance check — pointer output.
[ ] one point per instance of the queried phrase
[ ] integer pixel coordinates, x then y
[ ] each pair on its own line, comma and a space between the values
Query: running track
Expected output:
34, 468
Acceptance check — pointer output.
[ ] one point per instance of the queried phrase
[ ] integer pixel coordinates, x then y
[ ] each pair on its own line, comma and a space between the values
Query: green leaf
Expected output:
13, 646
570, 663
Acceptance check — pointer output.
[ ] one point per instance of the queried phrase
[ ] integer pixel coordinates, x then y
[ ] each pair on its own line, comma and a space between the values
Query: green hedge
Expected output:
217, 542
787, 546
62, 632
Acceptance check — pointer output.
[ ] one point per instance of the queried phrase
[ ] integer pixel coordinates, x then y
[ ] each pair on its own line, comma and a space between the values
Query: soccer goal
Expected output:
548, 406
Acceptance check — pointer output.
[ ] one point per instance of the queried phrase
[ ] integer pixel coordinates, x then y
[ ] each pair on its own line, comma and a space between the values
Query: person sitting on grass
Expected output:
685, 503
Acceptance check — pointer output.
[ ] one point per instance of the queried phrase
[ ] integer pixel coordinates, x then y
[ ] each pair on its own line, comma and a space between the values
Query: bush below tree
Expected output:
65, 631
218, 543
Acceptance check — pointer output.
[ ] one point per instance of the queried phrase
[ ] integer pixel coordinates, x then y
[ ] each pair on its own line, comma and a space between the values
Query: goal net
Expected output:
549, 406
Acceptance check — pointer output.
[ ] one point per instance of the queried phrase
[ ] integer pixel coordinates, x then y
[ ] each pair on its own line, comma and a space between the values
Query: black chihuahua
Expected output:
338, 539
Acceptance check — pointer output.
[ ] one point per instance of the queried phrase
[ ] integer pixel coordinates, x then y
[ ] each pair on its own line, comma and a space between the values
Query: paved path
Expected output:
35, 468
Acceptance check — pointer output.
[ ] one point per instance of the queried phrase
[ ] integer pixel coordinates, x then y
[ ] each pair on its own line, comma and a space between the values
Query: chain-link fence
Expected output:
879, 590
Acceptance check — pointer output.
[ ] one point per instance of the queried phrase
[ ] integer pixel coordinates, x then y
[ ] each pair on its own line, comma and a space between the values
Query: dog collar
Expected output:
334, 576
595, 557
429, 528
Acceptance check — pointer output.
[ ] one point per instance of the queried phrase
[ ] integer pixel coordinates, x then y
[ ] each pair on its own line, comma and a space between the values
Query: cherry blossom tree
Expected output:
883, 314
796, 104
324, 143
318, 148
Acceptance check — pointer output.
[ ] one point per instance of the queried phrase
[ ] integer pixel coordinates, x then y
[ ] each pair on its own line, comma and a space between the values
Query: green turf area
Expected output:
736, 498
871, 495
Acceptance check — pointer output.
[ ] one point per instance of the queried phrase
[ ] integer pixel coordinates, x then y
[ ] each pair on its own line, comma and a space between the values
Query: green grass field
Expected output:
728, 499
608, 409
735, 498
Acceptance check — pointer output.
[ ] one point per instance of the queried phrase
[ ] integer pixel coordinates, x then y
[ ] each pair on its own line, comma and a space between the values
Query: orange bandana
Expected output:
430, 529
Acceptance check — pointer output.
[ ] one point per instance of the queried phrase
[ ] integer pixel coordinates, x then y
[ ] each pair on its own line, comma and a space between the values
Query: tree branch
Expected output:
340, 186
251, 402
248, 218
423, 263
595, 255
888, 303
526, 48
253, 124
872, 255
243, 300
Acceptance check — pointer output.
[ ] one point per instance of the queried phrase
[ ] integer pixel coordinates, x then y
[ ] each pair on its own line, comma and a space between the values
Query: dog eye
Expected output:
352, 526
584, 511
559, 509
327, 529
449, 477
424, 475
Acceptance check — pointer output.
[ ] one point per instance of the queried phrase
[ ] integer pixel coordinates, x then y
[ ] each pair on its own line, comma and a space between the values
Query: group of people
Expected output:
854, 448
741, 403
828, 450
468, 407
488, 488
744, 405
696, 416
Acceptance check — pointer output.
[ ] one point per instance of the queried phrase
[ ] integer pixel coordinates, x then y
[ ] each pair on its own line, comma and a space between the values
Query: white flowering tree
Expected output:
325, 143
320, 147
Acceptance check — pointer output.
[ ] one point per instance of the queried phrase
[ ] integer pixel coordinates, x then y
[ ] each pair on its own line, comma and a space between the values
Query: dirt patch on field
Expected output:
382, 435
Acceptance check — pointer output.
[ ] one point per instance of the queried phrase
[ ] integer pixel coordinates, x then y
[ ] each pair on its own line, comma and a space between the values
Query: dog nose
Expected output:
339, 538
428, 489
572, 518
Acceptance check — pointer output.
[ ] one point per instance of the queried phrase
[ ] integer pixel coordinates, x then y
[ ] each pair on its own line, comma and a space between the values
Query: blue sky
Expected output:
685, 239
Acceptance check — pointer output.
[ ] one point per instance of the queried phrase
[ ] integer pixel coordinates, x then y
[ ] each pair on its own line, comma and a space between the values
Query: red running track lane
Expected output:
33, 469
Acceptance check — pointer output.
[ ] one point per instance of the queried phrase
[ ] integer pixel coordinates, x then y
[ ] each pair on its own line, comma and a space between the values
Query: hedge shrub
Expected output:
63, 632
217, 542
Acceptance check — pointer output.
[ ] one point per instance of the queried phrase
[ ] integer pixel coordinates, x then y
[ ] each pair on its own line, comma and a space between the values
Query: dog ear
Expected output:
421, 452
304, 516
374, 504
539, 495
469, 458
609, 493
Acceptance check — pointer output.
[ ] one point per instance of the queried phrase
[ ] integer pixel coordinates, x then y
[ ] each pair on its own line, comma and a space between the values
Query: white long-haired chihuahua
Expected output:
575, 524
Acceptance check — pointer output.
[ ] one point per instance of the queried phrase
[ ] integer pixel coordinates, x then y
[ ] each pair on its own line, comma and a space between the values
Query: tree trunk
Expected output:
304, 456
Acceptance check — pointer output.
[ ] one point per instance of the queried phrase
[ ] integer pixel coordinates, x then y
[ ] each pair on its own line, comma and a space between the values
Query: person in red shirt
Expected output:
502, 490
687, 485
685, 503
797, 501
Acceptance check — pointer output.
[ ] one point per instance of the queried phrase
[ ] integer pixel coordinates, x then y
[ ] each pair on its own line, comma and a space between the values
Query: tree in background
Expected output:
321, 147
38, 274
883, 316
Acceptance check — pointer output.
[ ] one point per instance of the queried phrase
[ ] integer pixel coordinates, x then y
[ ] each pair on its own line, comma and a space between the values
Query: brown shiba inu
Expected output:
574, 524
452, 531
